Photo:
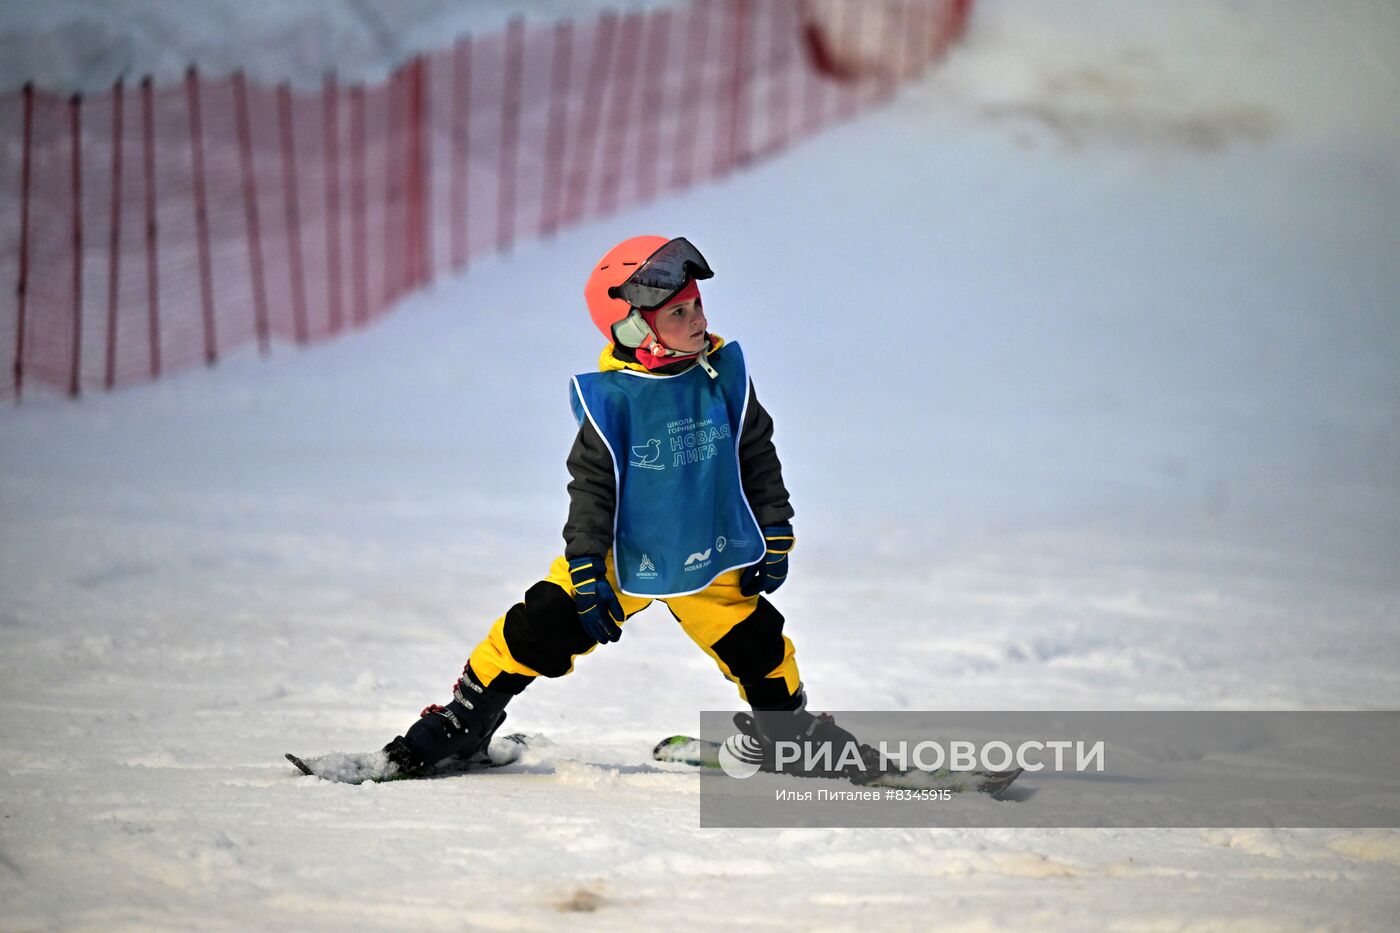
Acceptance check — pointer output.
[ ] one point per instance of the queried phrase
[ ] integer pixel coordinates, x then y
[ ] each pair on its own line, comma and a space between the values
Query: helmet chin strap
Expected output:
634, 332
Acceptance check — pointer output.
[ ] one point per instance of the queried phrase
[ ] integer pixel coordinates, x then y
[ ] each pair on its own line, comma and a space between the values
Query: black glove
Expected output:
599, 611
768, 574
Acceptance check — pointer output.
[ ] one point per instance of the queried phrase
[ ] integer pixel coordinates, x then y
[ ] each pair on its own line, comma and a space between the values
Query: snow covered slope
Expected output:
1083, 357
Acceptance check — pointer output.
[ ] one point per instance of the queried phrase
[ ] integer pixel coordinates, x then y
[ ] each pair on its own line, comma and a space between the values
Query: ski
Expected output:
700, 753
374, 767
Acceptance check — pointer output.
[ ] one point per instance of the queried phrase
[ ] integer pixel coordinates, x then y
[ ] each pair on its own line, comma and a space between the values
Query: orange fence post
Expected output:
330, 114
75, 125
560, 66
778, 47
291, 204
22, 282
852, 31
510, 136
960, 10
576, 197
460, 177
621, 116
114, 239
692, 75
201, 217
392, 242
404, 180
425, 172
250, 209
359, 236
148, 133
658, 28
736, 153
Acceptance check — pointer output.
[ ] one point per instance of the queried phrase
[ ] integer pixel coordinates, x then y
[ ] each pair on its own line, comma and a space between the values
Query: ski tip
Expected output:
301, 765
669, 742
1003, 781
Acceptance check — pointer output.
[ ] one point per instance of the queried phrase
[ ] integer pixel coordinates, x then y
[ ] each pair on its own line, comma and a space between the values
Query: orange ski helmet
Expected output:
616, 267
670, 265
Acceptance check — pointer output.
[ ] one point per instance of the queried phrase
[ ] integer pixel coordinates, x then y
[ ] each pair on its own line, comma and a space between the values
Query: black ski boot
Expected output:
457, 732
833, 750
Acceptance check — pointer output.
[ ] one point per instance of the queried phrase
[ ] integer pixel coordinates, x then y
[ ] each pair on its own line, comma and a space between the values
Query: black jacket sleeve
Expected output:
592, 494
759, 467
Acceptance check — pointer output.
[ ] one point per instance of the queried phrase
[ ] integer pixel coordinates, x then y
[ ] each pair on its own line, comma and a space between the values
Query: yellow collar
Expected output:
608, 363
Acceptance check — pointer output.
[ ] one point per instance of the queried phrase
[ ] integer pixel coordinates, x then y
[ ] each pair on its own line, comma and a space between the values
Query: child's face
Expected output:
681, 326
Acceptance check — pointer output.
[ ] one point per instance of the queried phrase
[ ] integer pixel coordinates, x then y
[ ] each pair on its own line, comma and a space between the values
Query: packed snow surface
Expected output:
1085, 362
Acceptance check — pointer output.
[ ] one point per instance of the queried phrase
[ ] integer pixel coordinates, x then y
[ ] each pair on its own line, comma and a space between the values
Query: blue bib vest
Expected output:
681, 518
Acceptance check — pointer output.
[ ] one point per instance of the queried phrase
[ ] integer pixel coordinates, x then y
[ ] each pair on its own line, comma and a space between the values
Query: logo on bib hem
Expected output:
699, 560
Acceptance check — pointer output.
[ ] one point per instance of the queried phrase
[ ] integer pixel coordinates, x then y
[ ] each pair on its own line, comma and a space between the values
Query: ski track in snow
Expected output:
1136, 446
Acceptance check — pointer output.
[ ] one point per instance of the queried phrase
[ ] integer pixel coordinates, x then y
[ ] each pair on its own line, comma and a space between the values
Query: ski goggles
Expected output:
662, 275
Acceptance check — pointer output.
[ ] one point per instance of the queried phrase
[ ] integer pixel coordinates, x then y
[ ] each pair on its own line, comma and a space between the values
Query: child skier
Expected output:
677, 494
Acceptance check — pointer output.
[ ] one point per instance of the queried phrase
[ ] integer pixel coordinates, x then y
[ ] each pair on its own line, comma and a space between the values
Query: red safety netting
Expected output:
149, 229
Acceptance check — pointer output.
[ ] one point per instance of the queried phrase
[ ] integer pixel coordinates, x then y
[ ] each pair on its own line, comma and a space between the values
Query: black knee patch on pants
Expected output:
753, 647
543, 632
769, 693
